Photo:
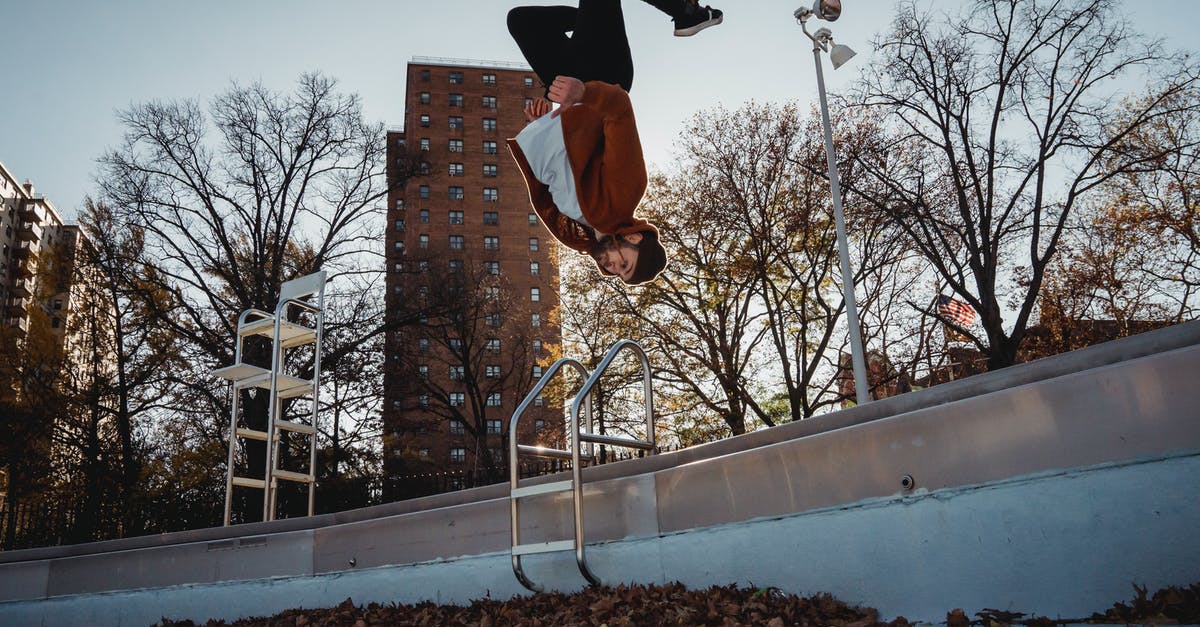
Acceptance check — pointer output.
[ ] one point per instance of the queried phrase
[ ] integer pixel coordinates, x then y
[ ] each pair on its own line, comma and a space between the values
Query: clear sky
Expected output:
71, 64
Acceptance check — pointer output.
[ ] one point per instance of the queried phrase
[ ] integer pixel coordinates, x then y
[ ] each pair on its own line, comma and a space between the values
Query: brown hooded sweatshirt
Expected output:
605, 155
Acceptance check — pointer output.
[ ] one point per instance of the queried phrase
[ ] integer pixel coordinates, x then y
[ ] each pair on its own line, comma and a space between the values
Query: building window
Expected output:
456, 373
423, 453
539, 400
492, 293
533, 219
535, 320
456, 217
423, 371
399, 204
489, 147
492, 372
456, 78
455, 192
489, 170
423, 267
456, 427
493, 345
456, 265
456, 169
424, 144
489, 79
456, 121
423, 345
424, 167
425, 99
423, 215
491, 194
492, 319
424, 191
55, 322
491, 242
425, 76
458, 399
456, 242
424, 119
493, 399
493, 427
533, 243
536, 345
529, 81
423, 240
458, 455
537, 372
528, 101
424, 400
400, 249
399, 267
539, 425
535, 294
456, 100
489, 102
456, 145
489, 124
491, 218
535, 268
399, 225
492, 267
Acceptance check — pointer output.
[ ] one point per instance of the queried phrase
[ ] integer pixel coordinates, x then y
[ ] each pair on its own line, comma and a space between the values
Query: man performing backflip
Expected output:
583, 162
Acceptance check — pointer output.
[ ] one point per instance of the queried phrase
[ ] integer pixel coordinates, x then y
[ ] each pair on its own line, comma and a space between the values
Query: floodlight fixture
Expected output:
840, 54
828, 10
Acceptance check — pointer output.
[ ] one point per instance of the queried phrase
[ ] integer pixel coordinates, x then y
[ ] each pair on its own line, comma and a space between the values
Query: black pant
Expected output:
596, 50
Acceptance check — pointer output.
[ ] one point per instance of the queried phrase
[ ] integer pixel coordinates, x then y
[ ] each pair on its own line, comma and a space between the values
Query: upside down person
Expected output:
583, 162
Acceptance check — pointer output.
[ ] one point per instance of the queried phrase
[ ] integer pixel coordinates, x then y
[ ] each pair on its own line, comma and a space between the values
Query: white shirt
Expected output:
542, 143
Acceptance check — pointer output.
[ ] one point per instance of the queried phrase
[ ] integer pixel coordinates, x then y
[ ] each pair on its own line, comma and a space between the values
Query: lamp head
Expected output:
840, 54
828, 10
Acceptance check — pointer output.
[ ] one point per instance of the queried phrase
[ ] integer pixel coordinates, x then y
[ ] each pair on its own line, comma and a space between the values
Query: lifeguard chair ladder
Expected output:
306, 293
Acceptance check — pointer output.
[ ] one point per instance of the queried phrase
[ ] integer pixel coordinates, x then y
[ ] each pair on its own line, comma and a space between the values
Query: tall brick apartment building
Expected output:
466, 251
31, 232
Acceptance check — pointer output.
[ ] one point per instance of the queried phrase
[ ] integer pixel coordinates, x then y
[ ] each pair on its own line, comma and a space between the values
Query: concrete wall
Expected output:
1048, 488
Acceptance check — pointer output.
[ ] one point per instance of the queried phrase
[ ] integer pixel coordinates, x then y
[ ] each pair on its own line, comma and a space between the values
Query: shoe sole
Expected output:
688, 32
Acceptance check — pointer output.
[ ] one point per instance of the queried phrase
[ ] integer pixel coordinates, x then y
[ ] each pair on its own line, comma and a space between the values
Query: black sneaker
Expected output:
696, 19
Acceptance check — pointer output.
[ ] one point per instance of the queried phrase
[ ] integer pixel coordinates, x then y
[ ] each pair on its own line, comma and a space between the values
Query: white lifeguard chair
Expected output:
306, 293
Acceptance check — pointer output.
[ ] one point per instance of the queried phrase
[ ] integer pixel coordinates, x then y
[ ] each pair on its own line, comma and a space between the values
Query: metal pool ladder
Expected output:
579, 435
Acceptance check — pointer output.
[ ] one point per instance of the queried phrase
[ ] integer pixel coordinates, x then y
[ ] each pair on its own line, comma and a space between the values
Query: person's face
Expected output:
619, 255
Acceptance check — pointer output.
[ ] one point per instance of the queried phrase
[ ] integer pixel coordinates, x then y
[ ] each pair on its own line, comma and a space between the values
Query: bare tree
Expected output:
1003, 122
456, 372
292, 184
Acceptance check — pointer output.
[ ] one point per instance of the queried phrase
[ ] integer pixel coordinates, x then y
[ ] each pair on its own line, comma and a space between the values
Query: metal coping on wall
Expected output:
503, 65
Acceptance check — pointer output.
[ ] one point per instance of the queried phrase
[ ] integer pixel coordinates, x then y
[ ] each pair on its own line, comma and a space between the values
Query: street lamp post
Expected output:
830, 10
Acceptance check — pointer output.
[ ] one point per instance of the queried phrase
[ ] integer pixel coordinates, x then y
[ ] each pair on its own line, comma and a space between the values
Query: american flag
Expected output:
955, 311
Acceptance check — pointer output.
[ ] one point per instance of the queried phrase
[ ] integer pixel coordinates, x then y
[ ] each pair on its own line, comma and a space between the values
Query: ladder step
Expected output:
246, 482
251, 434
294, 476
544, 547
555, 453
615, 441
544, 488
298, 427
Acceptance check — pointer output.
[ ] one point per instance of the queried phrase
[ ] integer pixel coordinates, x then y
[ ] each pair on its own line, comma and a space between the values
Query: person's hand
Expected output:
536, 109
566, 91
